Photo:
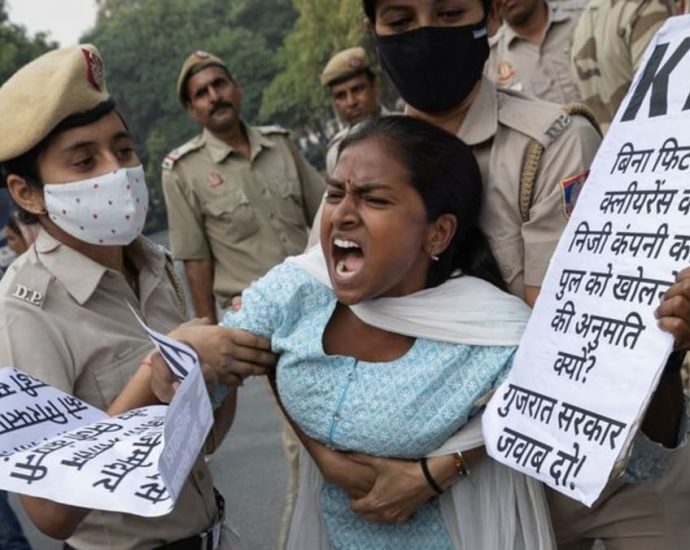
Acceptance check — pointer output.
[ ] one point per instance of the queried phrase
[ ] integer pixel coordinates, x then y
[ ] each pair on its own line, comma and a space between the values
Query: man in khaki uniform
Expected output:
608, 43
239, 198
354, 90
531, 51
64, 316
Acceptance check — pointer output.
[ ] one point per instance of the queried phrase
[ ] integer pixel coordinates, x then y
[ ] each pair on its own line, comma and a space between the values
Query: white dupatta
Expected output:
496, 508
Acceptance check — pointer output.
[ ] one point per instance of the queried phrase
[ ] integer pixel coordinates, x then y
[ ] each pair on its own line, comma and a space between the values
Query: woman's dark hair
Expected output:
12, 225
26, 165
444, 172
369, 7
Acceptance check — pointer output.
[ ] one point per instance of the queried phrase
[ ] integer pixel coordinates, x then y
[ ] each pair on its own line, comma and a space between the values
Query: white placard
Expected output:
55, 446
592, 352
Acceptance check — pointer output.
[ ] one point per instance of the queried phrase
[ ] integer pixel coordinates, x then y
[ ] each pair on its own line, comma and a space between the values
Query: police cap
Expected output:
344, 65
60, 84
196, 62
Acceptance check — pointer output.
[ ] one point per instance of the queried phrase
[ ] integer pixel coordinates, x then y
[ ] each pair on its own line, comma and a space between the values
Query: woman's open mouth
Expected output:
348, 258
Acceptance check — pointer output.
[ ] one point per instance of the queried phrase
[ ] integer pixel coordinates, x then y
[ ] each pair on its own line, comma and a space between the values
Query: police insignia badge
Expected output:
571, 188
505, 74
356, 62
94, 69
214, 179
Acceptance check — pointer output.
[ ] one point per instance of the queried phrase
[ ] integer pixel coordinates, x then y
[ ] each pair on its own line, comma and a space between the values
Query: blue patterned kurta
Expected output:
404, 408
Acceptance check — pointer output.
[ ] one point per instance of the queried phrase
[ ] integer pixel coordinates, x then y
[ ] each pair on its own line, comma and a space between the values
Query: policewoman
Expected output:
70, 165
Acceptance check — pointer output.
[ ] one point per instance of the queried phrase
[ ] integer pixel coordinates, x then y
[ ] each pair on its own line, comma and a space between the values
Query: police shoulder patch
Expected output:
570, 189
274, 129
176, 154
29, 284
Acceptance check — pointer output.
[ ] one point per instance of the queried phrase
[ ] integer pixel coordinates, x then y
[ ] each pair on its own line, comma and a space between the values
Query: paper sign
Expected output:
592, 353
55, 446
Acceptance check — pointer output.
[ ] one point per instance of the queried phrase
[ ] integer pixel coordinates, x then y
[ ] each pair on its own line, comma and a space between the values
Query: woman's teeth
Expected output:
341, 243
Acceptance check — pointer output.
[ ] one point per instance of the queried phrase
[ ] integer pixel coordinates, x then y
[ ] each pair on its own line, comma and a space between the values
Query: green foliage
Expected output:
16, 47
144, 42
295, 97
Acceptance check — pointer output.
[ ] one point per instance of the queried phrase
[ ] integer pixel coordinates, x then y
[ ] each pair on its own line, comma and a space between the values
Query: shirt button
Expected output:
352, 376
264, 192
271, 215
336, 416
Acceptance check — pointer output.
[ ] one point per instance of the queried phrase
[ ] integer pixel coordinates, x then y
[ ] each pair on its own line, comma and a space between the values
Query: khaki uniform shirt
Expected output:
79, 335
498, 127
608, 43
246, 214
542, 70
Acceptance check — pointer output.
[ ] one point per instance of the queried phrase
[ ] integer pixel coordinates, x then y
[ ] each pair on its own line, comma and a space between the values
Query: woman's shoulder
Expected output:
280, 297
286, 279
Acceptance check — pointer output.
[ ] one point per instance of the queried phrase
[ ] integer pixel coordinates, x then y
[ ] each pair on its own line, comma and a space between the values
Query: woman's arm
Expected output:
386, 490
401, 486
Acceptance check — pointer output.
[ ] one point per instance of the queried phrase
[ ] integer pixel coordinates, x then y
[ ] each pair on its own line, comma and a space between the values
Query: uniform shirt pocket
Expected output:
111, 377
230, 216
291, 201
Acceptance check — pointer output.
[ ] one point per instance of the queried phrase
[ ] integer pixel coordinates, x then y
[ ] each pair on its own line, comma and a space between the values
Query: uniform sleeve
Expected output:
312, 185
185, 223
31, 342
568, 156
643, 28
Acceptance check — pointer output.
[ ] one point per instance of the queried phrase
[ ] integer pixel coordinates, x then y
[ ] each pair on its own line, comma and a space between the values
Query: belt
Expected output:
206, 540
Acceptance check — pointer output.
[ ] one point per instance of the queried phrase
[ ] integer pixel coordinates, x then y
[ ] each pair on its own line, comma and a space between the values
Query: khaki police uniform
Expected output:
541, 70
246, 214
65, 320
608, 43
498, 127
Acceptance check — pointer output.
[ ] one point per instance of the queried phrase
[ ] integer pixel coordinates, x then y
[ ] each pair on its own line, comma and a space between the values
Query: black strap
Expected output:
429, 478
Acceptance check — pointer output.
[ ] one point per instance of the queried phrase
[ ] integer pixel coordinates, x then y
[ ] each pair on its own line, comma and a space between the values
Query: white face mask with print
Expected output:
107, 210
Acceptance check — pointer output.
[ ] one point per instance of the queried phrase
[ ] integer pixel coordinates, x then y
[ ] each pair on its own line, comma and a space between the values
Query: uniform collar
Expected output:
219, 150
481, 121
81, 275
553, 16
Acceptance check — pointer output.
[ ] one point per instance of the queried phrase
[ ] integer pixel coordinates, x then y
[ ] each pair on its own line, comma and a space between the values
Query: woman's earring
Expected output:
434, 257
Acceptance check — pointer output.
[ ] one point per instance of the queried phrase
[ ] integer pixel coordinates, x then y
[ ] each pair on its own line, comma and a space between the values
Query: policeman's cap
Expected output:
196, 62
344, 65
58, 85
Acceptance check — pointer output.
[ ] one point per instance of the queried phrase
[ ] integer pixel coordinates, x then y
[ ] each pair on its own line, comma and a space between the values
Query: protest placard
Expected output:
592, 352
55, 446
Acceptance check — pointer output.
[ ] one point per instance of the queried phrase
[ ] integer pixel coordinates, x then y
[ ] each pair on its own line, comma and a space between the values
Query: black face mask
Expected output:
435, 68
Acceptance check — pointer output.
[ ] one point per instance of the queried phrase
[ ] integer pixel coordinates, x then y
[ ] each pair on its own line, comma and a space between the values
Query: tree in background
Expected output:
295, 97
16, 47
144, 43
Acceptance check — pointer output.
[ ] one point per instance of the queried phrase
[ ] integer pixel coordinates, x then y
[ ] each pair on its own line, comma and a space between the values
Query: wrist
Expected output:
442, 470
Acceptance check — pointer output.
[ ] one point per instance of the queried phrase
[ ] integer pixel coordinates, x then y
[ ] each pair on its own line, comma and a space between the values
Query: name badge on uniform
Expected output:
28, 295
